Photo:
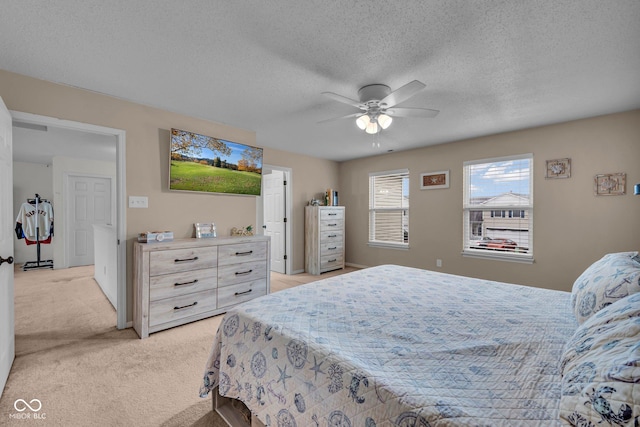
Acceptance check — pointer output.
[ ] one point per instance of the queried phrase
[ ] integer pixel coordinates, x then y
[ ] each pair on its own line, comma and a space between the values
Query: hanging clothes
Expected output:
28, 221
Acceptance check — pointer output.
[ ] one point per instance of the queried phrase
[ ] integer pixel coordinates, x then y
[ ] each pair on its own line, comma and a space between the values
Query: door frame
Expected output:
121, 219
288, 177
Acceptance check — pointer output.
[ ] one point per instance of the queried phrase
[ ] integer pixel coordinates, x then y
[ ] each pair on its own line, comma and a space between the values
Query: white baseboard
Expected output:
350, 264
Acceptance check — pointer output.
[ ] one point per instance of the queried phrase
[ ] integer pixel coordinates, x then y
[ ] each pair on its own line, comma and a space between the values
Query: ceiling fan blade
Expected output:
344, 99
412, 112
341, 117
403, 93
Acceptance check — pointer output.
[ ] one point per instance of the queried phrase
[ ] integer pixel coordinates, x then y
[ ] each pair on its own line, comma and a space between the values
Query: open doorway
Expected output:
274, 212
79, 149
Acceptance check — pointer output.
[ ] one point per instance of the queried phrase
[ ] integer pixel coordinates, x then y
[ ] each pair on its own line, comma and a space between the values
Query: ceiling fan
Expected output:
377, 105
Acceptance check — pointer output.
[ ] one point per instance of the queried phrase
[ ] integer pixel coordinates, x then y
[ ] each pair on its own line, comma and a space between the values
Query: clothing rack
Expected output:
38, 263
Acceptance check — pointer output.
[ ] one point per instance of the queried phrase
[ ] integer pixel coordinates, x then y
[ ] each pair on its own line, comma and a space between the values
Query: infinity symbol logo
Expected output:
26, 405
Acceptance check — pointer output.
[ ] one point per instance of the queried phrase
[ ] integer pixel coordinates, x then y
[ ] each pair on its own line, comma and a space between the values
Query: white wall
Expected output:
62, 167
106, 265
29, 179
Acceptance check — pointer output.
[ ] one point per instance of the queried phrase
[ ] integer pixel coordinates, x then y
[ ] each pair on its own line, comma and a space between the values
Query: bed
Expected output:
393, 345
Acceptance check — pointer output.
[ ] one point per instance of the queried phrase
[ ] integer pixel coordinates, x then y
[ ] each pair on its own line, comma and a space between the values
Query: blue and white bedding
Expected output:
394, 345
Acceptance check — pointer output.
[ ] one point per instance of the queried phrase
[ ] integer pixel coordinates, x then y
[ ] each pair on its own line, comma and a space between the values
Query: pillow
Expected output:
612, 277
601, 368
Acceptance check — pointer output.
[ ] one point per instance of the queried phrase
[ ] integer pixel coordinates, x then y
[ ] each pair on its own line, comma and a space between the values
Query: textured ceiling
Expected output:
488, 66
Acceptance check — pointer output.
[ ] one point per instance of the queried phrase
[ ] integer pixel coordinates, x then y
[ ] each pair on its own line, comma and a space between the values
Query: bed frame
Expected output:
234, 412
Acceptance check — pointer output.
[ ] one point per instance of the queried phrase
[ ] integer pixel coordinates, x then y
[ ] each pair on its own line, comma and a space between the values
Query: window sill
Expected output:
401, 247
500, 256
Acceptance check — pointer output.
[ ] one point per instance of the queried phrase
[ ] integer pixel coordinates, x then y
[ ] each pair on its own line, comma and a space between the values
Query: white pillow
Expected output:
601, 368
607, 280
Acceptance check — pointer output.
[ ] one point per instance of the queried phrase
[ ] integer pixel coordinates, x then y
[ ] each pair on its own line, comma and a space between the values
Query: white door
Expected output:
89, 204
7, 337
274, 218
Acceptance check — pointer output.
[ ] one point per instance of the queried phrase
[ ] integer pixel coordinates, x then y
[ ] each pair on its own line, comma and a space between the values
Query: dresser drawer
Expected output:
331, 248
236, 294
242, 252
170, 309
239, 273
188, 282
176, 260
331, 224
331, 236
331, 262
330, 214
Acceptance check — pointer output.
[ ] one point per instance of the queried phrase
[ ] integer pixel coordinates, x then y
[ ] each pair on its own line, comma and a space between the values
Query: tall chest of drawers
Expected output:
324, 238
186, 280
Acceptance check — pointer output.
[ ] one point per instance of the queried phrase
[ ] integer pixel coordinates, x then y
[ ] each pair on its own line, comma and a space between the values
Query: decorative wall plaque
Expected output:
610, 184
559, 168
433, 180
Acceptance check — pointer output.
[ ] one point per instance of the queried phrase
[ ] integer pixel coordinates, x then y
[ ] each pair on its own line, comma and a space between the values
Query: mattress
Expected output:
393, 345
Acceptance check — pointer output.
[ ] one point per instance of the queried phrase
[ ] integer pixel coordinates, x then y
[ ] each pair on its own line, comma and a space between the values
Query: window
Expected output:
498, 208
389, 208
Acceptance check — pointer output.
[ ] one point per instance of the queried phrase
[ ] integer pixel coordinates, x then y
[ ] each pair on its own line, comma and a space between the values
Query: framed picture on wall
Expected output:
433, 180
558, 168
610, 184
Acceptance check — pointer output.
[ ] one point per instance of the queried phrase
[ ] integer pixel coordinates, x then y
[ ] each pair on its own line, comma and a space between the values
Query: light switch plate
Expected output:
138, 202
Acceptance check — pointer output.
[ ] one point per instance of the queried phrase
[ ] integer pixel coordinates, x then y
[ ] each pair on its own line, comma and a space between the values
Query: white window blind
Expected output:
498, 207
389, 208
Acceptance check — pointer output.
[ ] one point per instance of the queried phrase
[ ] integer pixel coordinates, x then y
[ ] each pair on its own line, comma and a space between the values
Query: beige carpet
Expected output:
84, 371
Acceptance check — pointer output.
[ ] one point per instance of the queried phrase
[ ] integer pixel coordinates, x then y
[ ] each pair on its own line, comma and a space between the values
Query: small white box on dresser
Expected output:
186, 280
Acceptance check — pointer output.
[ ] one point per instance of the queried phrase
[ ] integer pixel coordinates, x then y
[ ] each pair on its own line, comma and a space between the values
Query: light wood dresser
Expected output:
185, 280
324, 238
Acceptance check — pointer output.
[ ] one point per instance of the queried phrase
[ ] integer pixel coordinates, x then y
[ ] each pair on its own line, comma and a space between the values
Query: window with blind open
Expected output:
498, 208
389, 208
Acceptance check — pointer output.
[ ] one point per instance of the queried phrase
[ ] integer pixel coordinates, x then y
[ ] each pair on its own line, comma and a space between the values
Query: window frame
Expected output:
507, 210
372, 210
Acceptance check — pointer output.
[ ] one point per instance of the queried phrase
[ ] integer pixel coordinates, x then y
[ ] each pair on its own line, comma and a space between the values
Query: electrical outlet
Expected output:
438, 263
138, 202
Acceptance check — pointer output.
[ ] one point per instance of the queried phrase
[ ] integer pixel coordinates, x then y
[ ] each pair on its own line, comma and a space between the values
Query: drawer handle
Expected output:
185, 306
333, 214
332, 225
244, 253
195, 258
242, 293
240, 273
333, 248
186, 283
332, 260
333, 235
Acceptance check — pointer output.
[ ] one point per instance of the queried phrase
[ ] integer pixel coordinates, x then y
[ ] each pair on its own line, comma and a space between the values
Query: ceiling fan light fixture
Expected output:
363, 121
372, 128
384, 121
376, 100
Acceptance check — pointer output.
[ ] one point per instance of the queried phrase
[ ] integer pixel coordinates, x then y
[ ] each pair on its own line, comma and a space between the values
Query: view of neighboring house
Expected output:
500, 218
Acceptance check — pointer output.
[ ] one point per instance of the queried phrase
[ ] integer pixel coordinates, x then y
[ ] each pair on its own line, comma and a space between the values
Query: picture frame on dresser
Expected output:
186, 280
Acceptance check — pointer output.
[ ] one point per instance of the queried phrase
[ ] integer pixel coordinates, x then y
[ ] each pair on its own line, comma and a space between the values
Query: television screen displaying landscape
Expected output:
213, 165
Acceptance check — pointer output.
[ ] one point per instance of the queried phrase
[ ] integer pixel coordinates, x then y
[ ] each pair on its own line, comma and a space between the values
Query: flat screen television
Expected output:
212, 165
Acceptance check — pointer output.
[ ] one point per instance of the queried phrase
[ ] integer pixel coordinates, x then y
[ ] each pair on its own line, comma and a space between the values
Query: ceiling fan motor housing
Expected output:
375, 92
